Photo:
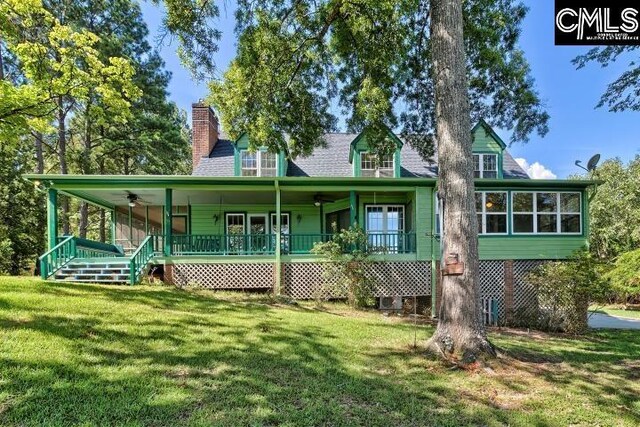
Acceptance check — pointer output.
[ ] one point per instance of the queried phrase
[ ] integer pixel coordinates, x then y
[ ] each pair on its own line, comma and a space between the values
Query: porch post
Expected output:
113, 226
52, 217
168, 211
353, 208
278, 242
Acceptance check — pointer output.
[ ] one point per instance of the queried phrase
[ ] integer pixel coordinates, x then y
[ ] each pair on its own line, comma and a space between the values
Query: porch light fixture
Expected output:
317, 203
216, 218
132, 200
299, 218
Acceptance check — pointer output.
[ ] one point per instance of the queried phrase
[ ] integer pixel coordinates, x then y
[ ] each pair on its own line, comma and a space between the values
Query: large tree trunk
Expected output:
103, 217
62, 156
85, 167
39, 152
460, 334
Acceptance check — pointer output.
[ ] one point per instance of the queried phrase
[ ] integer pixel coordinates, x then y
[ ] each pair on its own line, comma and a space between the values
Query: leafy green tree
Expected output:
153, 138
295, 58
625, 276
614, 216
192, 23
622, 93
565, 290
21, 211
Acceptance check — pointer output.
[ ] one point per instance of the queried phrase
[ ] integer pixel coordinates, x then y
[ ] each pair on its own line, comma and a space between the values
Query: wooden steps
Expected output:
97, 270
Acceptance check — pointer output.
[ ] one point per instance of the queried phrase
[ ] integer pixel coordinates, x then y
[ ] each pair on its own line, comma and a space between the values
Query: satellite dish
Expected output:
593, 162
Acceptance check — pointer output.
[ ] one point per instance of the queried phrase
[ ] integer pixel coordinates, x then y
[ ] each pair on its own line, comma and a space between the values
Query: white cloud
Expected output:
536, 170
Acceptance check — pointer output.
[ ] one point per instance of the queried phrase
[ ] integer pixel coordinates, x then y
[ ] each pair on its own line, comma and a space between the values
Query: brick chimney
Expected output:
204, 131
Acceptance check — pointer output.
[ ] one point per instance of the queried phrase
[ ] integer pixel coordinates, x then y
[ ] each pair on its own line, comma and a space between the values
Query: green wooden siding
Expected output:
424, 220
483, 142
202, 217
529, 247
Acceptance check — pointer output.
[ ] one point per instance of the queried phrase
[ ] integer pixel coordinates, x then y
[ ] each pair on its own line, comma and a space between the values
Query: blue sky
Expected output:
577, 129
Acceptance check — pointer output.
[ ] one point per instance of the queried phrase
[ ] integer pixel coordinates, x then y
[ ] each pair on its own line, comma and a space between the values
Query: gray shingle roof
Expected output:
333, 160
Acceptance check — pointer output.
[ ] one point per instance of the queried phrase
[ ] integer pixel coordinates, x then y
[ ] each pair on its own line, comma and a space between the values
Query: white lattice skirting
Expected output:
492, 283
223, 276
308, 280
302, 280
525, 299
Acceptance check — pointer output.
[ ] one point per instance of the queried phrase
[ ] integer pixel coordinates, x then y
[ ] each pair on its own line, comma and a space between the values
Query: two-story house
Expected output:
248, 220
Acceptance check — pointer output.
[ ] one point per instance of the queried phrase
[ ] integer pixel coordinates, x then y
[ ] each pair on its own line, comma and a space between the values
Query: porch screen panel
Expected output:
129, 236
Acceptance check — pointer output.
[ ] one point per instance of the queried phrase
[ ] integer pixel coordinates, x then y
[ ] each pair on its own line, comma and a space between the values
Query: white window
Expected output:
259, 163
485, 165
546, 212
491, 208
370, 167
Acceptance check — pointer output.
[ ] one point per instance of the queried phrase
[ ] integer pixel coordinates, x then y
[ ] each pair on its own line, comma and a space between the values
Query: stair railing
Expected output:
139, 259
58, 256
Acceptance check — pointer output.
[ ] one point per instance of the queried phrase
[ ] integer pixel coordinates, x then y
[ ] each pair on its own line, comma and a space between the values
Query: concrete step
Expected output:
94, 271
83, 266
91, 278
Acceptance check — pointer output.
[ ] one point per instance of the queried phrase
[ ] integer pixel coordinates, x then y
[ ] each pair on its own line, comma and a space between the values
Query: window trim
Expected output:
226, 222
484, 212
258, 167
481, 157
558, 214
272, 216
377, 169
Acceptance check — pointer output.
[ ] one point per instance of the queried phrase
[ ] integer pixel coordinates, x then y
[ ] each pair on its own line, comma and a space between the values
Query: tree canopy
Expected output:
297, 59
623, 93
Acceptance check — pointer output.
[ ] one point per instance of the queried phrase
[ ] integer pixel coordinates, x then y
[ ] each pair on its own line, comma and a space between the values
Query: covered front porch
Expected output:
180, 219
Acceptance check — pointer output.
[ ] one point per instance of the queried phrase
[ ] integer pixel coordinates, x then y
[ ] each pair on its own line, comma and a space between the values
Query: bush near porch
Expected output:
150, 355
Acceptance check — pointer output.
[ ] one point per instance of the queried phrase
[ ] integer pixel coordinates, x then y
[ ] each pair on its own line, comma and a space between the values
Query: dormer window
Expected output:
369, 166
259, 163
485, 165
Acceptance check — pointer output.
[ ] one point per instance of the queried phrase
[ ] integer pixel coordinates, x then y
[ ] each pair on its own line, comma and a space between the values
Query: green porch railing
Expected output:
392, 243
302, 243
70, 247
231, 244
139, 260
265, 244
57, 257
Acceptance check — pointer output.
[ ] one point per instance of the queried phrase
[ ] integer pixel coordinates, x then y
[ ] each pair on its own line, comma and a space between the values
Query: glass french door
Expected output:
258, 233
235, 233
385, 227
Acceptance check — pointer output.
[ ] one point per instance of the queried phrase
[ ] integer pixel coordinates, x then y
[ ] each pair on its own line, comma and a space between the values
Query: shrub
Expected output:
347, 257
6, 251
625, 276
565, 289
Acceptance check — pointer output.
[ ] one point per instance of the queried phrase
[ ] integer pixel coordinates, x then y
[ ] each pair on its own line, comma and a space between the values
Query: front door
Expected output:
258, 237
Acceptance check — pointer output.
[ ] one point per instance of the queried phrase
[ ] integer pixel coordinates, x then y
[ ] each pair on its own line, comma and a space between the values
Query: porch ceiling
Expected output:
156, 197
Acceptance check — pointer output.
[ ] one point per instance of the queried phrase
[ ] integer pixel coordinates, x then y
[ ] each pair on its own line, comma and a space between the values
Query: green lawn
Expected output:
616, 310
97, 355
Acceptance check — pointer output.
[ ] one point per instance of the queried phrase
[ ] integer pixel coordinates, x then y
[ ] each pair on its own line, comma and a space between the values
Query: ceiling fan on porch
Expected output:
319, 200
133, 199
